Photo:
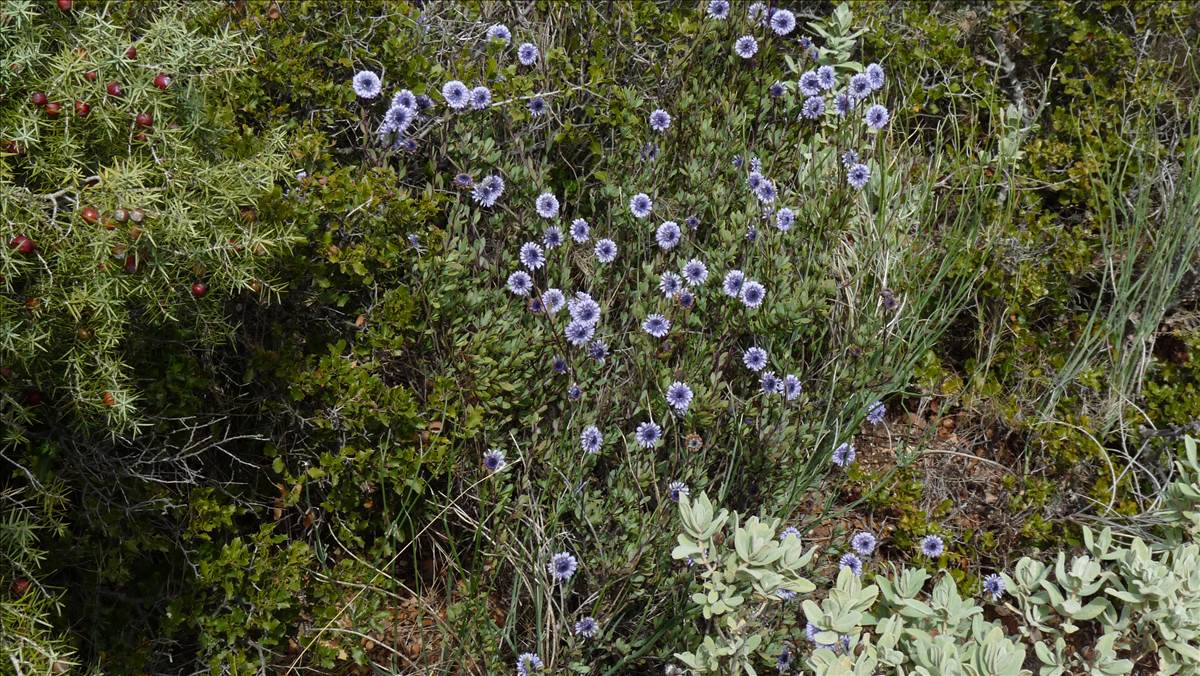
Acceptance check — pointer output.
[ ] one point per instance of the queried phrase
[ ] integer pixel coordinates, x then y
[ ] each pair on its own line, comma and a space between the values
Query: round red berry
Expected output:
82, 109
53, 109
162, 81
18, 587
199, 289
39, 98
90, 215
91, 75
115, 89
65, 5
131, 53
144, 120
22, 244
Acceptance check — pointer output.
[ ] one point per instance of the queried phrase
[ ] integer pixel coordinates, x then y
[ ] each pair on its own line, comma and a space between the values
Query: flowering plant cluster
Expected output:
653, 304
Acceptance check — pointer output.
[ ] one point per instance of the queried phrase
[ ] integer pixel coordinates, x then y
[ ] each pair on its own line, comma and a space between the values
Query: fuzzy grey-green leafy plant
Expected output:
736, 583
1140, 600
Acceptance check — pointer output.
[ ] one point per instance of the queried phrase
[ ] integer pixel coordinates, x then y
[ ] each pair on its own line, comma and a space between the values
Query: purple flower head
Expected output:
785, 219
757, 13
397, 119
858, 176
751, 234
499, 32
553, 300
755, 358
647, 434
994, 584
640, 205
587, 627
606, 251
791, 387
660, 120
532, 256
783, 21
676, 490
776, 90
366, 84
785, 594
574, 392
686, 299
527, 53
591, 440
488, 190
863, 542
789, 532
692, 222
481, 97
889, 300
562, 566
874, 74
679, 397
860, 86
463, 181
520, 283
718, 9
404, 98
746, 46
852, 562
584, 309
932, 546
580, 230
843, 455
810, 83
546, 205
753, 180
598, 351
670, 284
814, 108
537, 106
552, 237
424, 102
753, 294
783, 661
771, 384
732, 285
876, 412
694, 272
826, 77
528, 662
877, 117
843, 104
493, 460
559, 364
738, 161
656, 325
765, 192
849, 158
579, 333
667, 235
